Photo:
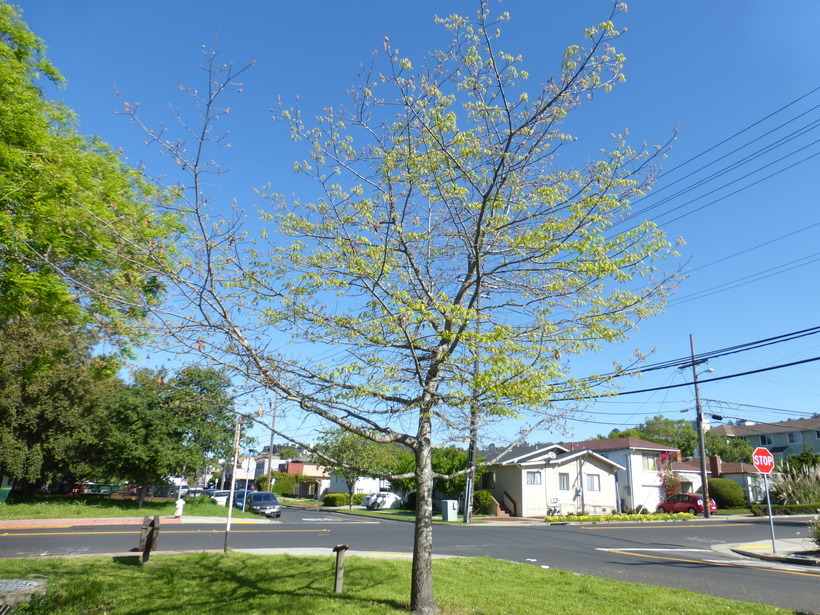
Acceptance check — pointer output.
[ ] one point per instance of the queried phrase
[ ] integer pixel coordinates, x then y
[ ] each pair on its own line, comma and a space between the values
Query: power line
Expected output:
701, 380
713, 354
740, 132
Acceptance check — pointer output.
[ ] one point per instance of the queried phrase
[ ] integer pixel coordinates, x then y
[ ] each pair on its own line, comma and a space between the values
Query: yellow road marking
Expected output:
697, 561
651, 526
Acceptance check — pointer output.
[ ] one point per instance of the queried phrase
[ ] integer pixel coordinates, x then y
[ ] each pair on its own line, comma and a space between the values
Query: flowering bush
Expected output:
670, 479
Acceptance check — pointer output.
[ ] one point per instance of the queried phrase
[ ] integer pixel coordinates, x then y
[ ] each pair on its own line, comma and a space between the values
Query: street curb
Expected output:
785, 559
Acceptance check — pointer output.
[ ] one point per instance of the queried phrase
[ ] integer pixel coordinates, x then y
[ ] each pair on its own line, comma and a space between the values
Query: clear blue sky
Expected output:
711, 68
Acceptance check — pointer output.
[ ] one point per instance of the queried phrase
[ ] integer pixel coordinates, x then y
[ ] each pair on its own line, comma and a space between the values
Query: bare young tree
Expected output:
449, 266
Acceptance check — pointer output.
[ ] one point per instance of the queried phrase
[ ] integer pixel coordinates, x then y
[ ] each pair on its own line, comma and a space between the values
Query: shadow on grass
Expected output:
128, 560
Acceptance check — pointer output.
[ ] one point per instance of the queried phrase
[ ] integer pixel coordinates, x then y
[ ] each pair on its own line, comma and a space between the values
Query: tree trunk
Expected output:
422, 599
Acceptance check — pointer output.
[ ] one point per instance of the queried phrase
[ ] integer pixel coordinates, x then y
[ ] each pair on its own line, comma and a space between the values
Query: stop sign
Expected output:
763, 460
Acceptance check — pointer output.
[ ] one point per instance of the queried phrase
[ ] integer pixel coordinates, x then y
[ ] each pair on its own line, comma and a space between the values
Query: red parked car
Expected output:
685, 502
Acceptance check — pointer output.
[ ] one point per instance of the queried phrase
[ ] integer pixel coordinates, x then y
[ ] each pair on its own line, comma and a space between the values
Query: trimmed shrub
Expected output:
814, 527
578, 518
761, 510
726, 493
482, 500
337, 499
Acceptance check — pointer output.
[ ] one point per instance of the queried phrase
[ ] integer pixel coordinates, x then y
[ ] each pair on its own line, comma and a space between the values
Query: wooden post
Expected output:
149, 538
340, 567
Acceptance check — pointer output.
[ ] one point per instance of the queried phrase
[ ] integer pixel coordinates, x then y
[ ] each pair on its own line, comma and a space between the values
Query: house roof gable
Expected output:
810, 424
618, 444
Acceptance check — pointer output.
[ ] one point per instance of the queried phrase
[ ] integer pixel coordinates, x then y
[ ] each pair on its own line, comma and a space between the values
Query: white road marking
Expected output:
660, 550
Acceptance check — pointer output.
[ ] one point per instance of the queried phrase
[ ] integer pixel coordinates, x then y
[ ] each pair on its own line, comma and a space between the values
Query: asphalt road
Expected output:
682, 554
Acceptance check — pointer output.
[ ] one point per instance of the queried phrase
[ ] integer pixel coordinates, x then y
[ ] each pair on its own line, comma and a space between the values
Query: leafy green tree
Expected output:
449, 264
681, 434
728, 449
677, 433
288, 452
161, 426
74, 219
806, 459
352, 456
449, 464
52, 401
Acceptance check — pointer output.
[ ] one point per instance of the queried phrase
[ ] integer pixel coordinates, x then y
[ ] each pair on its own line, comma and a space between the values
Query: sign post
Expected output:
763, 462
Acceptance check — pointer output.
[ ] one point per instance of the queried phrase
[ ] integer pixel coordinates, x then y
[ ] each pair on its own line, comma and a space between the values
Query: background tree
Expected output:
677, 433
448, 261
681, 434
352, 456
53, 393
449, 465
728, 449
73, 218
807, 459
288, 452
161, 426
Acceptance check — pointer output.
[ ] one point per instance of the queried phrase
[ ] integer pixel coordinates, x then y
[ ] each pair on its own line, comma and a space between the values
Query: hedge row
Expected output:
621, 517
761, 510
341, 499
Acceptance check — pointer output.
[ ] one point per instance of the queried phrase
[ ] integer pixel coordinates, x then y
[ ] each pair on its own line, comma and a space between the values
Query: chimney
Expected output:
715, 466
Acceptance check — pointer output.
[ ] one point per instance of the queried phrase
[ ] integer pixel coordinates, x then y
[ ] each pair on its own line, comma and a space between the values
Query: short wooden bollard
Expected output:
149, 537
340, 567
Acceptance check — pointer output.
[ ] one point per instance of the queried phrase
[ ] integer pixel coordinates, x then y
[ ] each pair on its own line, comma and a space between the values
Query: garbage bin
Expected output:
449, 510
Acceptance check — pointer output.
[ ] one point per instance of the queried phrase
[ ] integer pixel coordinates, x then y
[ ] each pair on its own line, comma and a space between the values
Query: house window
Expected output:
533, 478
766, 440
593, 482
563, 481
488, 480
650, 461
817, 434
795, 437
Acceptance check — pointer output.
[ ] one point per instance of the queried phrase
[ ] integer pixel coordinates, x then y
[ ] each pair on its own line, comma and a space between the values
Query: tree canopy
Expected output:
52, 395
66, 416
452, 263
350, 456
71, 213
165, 425
681, 434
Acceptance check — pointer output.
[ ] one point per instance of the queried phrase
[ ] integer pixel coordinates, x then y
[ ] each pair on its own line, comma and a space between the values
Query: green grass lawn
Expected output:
734, 511
204, 583
88, 506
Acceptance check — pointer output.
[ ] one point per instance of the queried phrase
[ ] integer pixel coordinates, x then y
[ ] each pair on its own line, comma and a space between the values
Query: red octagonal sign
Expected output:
763, 460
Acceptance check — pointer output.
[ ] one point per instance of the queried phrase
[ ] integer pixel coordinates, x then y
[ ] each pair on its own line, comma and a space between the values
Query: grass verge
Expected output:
87, 507
204, 583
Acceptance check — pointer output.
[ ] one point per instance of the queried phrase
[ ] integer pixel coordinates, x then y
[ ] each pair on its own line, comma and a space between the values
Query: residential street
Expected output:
694, 555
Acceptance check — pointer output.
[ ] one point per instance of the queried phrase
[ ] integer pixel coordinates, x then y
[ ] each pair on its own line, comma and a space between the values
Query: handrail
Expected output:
507, 496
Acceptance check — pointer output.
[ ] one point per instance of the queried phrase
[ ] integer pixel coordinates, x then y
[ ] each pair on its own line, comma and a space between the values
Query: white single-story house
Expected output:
551, 479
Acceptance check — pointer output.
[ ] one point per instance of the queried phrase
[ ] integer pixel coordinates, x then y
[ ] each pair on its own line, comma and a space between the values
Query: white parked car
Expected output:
383, 499
221, 497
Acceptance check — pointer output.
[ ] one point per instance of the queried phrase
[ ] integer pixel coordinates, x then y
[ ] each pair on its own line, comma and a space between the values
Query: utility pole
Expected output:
701, 447
272, 433
236, 437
